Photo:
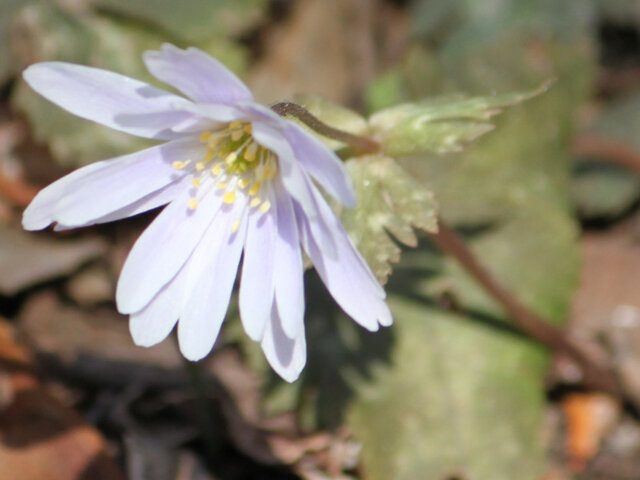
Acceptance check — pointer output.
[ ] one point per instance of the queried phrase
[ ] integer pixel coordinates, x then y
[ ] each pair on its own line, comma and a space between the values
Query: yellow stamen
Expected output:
236, 226
178, 164
195, 182
204, 136
209, 156
231, 158
229, 197
200, 166
222, 185
255, 202
254, 189
216, 169
192, 204
264, 208
243, 182
250, 152
236, 135
247, 128
235, 125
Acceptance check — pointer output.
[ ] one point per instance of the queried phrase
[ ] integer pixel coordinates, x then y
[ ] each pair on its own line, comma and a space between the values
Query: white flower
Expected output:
237, 177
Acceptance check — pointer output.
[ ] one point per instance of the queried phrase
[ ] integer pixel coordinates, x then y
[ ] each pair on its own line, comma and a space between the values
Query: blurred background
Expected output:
549, 201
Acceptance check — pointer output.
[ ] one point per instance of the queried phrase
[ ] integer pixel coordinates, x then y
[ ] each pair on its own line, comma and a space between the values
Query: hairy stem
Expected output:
593, 375
360, 145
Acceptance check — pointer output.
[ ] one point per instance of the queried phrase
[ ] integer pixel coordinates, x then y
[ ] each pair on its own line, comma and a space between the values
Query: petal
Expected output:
111, 99
40, 212
292, 176
162, 250
346, 276
289, 270
322, 163
256, 287
285, 355
122, 181
154, 323
196, 74
153, 200
215, 265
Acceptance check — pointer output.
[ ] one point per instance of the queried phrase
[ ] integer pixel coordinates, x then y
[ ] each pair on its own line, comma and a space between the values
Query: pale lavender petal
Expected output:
285, 355
322, 163
40, 212
289, 270
153, 200
256, 287
196, 74
154, 323
293, 178
122, 181
108, 98
215, 265
346, 276
162, 250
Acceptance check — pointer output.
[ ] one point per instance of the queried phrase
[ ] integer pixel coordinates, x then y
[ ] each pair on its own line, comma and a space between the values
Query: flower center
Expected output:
234, 162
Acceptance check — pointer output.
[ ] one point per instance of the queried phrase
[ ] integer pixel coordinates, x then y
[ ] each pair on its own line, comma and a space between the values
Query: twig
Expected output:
361, 145
593, 375
609, 149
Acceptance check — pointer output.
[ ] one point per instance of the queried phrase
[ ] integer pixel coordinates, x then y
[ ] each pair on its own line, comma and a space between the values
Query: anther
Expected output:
250, 152
195, 182
192, 204
231, 158
229, 197
235, 125
179, 165
235, 227
209, 156
255, 188
200, 166
255, 202
222, 185
264, 208
204, 136
236, 135
247, 128
216, 169
243, 182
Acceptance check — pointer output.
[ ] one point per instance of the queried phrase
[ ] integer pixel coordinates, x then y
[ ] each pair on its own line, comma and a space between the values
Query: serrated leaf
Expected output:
439, 125
390, 201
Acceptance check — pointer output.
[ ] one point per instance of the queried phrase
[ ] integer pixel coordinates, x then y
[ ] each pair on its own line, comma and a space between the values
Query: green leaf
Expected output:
603, 190
192, 20
440, 125
458, 399
390, 202
55, 33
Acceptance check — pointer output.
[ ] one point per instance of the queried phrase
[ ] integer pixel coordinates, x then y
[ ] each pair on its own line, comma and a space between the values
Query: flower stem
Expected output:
360, 145
593, 375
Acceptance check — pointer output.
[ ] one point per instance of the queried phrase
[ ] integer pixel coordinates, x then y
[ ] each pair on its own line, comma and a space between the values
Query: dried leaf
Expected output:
28, 258
40, 437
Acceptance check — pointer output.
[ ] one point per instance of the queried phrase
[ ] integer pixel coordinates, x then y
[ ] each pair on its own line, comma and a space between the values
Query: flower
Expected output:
237, 177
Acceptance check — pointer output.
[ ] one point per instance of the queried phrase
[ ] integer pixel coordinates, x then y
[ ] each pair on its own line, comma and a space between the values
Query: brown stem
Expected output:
361, 145
593, 375
609, 149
